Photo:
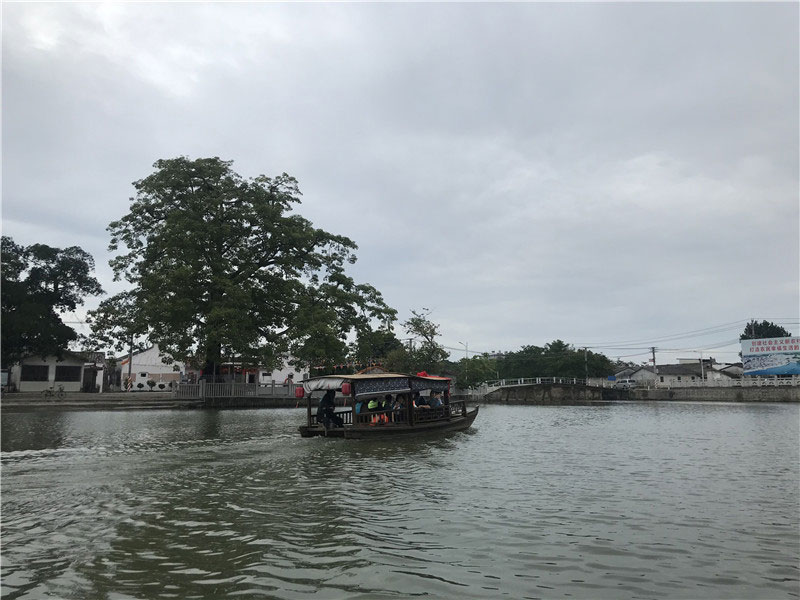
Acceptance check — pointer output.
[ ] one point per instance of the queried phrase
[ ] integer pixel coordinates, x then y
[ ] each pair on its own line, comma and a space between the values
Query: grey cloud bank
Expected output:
592, 172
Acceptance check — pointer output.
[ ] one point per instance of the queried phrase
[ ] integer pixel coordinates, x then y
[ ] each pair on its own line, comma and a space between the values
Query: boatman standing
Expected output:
326, 413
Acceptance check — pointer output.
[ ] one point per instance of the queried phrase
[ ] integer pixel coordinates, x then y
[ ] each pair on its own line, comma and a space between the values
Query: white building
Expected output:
75, 372
148, 365
280, 376
686, 373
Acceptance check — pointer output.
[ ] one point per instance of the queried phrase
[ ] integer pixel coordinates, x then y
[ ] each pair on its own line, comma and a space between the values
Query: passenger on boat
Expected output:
387, 407
326, 413
399, 403
419, 402
399, 408
435, 400
376, 408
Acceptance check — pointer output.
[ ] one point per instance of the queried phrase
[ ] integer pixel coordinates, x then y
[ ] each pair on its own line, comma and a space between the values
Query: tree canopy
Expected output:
38, 282
765, 329
556, 359
374, 346
117, 324
424, 353
221, 267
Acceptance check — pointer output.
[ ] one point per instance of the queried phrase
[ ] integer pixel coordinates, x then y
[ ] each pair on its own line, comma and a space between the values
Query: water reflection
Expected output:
626, 501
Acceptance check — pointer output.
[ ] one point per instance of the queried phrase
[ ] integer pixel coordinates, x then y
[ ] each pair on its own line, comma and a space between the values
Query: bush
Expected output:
151, 384
161, 386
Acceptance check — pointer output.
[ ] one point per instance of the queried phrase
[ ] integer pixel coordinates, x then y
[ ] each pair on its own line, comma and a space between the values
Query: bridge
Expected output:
542, 390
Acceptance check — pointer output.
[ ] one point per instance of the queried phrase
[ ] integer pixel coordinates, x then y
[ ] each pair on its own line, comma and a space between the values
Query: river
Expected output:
630, 500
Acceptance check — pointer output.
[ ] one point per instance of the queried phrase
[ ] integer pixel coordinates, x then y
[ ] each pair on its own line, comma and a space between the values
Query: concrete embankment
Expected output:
572, 394
721, 394
131, 401
546, 394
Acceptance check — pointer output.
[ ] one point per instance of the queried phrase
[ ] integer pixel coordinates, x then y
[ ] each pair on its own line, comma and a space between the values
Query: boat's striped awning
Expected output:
377, 384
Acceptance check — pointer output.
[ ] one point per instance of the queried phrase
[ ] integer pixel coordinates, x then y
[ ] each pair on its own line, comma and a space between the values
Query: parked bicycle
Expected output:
52, 394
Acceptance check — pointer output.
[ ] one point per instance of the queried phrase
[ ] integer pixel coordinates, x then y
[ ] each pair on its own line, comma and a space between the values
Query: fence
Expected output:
490, 386
536, 381
205, 390
717, 383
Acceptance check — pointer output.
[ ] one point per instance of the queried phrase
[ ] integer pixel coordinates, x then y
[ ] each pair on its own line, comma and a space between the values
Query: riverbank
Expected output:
110, 401
572, 395
522, 395
720, 394
22, 401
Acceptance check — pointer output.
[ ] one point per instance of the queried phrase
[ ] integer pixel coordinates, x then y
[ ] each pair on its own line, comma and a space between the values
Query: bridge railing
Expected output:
793, 380
718, 383
536, 381
490, 386
233, 390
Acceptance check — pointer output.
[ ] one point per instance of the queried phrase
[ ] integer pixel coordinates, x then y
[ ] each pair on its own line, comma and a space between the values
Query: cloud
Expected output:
528, 171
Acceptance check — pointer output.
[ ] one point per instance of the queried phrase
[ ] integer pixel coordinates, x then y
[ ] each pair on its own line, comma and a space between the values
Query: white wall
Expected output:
148, 365
51, 362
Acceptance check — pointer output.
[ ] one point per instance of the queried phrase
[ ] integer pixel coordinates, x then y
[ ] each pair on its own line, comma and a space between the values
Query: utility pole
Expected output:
702, 370
655, 368
130, 363
586, 364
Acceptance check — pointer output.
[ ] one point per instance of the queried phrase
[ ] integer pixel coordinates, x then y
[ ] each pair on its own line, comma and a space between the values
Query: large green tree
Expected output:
556, 359
38, 283
221, 266
374, 345
475, 370
765, 329
425, 354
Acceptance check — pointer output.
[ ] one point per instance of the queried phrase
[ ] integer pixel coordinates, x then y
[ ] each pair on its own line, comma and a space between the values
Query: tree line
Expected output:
223, 268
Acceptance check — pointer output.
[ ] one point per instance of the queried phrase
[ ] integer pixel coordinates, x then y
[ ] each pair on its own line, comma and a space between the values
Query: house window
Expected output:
35, 373
679, 377
143, 375
692, 377
662, 379
68, 373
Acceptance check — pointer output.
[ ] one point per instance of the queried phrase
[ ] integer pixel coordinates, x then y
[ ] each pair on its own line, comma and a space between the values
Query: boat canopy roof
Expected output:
373, 384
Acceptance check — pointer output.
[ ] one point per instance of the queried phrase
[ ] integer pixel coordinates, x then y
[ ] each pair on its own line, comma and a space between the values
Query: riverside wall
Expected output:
24, 401
552, 393
720, 394
576, 394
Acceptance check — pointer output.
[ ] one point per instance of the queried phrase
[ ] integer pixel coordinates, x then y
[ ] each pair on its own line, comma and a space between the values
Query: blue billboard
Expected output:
771, 356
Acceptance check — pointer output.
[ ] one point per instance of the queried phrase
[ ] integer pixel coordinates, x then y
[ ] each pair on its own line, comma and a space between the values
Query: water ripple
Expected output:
627, 501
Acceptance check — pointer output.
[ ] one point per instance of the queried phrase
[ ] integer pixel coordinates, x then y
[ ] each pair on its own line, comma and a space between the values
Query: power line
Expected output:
646, 344
675, 336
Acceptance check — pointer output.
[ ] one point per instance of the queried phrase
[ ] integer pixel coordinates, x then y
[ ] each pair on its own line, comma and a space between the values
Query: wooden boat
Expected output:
358, 422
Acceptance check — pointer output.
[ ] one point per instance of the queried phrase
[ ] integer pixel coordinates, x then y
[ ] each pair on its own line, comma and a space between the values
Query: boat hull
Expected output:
455, 423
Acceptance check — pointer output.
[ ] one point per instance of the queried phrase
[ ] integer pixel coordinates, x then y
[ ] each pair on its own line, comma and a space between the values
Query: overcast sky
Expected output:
612, 175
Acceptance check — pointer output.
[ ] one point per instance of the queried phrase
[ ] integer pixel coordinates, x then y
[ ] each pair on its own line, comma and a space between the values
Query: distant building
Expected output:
685, 372
75, 372
641, 375
148, 365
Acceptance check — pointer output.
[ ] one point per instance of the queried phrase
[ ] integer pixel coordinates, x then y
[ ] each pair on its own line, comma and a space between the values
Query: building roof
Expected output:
65, 355
680, 369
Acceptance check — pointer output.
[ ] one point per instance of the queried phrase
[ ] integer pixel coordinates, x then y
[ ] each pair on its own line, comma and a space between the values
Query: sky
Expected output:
617, 176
